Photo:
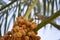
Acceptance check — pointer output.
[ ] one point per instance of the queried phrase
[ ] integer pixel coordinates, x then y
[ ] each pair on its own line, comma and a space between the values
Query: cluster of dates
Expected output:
22, 30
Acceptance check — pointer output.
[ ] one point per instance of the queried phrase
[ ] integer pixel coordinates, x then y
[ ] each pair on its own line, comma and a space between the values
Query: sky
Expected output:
48, 33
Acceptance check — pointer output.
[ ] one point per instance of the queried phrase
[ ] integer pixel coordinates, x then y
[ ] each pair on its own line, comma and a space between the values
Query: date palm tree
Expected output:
28, 9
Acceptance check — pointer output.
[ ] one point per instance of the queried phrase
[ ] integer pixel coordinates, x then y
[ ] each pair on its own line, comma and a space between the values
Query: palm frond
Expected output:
30, 8
3, 7
43, 23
